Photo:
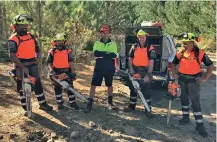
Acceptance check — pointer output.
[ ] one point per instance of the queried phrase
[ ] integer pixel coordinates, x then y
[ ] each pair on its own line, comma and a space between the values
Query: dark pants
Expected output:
58, 91
33, 71
145, 88
190, 91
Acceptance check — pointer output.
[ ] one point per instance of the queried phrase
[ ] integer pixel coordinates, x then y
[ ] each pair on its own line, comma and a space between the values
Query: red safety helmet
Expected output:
105, 28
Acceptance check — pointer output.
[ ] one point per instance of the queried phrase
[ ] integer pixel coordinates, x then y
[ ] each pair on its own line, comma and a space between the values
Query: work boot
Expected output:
45, 107
25, 113
184, 121
89, 106
110, 103
74, 105
60, 107
202, 131
129, 108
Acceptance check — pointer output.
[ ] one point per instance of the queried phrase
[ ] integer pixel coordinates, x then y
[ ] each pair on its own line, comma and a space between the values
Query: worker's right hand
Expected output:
146, 79
53, 74
131, 71
25, 70
200, 80
176, 76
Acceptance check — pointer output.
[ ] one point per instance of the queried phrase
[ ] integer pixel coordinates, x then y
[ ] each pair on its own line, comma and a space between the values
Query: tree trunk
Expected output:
1, 20
107, 4
6, 34
40, 34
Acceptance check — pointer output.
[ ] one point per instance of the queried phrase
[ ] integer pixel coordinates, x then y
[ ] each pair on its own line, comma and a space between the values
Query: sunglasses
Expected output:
59, 41
104, 32
141, 37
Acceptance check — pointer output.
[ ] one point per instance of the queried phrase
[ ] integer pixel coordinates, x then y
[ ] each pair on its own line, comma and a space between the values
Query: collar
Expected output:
22, 34
145, 45
59, 49
109, 40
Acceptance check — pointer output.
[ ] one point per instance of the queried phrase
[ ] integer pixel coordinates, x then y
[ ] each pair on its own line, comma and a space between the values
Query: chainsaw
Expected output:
61, 80
174, 91
134, 79
27, 83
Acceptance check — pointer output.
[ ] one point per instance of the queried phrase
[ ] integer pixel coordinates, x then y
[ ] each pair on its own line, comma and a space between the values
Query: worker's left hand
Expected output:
73, 75
201, 80
146, 79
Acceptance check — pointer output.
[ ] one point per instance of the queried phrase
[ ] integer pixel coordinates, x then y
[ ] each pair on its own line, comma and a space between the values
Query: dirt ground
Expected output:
110, 126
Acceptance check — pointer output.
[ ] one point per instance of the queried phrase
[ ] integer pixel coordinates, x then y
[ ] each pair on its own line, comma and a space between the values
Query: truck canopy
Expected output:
155, 37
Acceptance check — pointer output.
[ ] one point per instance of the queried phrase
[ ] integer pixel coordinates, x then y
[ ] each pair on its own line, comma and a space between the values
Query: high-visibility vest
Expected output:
60, 58
188, 62
25, 45
141, 55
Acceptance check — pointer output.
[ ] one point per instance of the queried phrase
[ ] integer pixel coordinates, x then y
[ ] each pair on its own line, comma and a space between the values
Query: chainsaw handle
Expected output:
25, 75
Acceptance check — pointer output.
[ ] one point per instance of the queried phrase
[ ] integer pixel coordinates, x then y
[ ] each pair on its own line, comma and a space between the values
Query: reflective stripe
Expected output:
40, 102
59, 101
148, 100
72, 96
186, 107
199, 121
133, 102
197, 113
185, 112
133, 97
40, 95
60, 95
97, 57
22, 97
71, 101
23, 104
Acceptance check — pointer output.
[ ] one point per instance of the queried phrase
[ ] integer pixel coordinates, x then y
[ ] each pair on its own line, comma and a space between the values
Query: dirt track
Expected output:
110, 125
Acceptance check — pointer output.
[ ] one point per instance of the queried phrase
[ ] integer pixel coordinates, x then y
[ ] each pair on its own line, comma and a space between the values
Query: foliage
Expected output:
81, 19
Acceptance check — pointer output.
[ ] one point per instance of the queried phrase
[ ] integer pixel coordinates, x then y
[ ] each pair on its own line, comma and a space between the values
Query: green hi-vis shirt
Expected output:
108, 47
104, 54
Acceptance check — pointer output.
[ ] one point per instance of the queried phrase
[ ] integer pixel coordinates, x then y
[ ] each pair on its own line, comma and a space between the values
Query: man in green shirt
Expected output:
105, 51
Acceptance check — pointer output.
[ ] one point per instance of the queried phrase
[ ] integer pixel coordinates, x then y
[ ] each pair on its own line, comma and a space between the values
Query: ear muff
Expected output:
198, 39
12, 27
66, 43
53, 43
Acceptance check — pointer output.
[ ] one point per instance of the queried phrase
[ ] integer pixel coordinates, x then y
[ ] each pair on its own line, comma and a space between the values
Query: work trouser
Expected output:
190, 91
58, 90
145, 87
33, 71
